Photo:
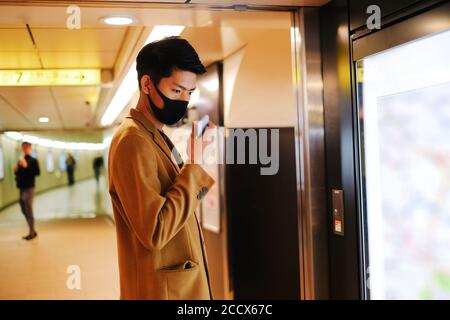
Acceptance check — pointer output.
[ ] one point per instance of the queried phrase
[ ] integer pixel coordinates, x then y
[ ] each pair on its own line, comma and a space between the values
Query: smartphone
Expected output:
201, 125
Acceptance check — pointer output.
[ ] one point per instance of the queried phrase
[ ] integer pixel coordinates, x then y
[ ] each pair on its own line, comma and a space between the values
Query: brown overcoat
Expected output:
160, 243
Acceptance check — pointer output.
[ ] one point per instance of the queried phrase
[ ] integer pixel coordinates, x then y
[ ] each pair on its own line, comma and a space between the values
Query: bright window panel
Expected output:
405, 123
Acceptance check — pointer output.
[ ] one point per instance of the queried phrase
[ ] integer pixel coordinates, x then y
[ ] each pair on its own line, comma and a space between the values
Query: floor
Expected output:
74, 255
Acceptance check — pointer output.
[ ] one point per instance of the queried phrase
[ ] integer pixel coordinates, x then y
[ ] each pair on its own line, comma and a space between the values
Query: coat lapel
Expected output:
138, 116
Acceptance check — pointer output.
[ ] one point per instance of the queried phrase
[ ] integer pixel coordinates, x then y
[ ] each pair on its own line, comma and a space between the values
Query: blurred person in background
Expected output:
26, 171
97, 166
70, 168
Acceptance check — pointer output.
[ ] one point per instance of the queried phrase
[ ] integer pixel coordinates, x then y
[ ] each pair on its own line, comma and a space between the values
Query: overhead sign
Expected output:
50, 77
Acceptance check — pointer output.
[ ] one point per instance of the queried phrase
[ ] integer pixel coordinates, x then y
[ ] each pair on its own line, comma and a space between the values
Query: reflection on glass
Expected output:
404, 100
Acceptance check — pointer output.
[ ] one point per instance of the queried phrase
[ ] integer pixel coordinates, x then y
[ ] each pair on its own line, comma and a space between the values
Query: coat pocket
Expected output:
184, 281
183, 267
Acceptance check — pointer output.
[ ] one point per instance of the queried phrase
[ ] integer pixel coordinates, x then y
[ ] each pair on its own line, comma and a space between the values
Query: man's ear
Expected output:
145, 83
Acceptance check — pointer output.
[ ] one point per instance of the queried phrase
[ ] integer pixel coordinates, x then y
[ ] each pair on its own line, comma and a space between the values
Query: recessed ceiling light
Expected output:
118, 20
43, 119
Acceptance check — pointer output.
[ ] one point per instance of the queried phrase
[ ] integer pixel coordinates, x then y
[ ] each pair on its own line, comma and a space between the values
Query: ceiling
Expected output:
69, 136
53, 47
35, 37
297, 3
300, 3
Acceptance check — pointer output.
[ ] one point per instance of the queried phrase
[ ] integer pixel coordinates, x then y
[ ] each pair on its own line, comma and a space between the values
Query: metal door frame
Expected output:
310, 144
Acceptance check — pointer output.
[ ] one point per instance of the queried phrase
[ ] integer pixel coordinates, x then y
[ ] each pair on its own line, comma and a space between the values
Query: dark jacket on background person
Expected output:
26, 177
98, 163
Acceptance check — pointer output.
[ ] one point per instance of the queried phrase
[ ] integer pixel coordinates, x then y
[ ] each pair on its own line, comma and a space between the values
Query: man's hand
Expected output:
196, 147
23, 163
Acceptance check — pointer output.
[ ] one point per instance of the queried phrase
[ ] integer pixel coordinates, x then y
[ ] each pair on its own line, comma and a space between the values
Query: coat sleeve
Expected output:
155, 218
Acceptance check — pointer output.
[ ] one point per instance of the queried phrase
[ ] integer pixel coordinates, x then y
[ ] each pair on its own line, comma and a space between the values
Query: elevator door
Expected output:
404, 133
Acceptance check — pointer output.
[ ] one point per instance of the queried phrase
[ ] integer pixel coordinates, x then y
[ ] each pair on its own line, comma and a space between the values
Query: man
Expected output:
160, 244
26, 171
97, 166
70, 168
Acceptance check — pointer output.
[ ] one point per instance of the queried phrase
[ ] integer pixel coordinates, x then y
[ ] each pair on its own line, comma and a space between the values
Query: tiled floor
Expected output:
72, 232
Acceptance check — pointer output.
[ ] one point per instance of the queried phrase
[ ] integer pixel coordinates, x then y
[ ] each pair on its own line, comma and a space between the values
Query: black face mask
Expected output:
172, 111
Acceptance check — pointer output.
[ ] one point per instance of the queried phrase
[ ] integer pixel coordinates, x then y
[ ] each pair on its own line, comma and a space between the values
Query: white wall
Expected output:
258, 82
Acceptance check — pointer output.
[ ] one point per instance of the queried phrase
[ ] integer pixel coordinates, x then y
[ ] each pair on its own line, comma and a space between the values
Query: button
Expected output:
202, 192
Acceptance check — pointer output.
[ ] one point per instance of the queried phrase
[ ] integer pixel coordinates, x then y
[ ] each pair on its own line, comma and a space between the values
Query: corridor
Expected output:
73, 230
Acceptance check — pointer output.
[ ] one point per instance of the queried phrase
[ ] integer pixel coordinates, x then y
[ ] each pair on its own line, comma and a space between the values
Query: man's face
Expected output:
179, 86
26, 149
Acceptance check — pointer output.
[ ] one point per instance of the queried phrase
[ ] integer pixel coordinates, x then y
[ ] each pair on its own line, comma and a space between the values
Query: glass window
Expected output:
404, 105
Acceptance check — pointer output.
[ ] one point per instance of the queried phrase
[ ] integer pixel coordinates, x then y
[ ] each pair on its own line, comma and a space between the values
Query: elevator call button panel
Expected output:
338, 212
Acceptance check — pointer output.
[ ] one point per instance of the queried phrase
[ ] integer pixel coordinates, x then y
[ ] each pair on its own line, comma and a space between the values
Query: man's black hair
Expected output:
158, 59
26, 143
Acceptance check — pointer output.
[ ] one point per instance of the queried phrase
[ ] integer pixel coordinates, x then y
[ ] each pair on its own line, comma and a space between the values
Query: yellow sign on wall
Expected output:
50, 77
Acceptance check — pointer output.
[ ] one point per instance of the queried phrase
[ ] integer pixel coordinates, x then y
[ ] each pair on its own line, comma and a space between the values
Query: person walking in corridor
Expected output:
26, 171
97, 165
160, 243
70, 168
